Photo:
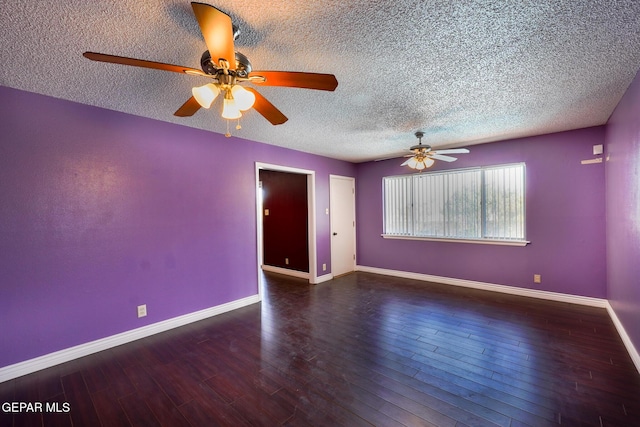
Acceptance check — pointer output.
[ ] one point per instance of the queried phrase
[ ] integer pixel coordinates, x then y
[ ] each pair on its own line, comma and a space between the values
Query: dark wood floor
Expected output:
359, 350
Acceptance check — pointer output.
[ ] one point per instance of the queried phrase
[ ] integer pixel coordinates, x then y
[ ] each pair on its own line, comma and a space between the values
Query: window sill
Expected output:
448, 239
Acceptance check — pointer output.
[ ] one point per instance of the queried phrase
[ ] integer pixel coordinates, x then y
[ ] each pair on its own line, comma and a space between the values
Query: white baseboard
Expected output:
633, 352
29, 366
532, 293
48, 360
286, 271
299, 274
323, 278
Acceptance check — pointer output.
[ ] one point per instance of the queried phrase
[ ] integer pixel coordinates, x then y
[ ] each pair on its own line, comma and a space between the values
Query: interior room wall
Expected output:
102, 211
565, 219
623, 211
285, 229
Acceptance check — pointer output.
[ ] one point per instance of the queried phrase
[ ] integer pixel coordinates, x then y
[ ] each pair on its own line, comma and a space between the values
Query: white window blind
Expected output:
478, 203
397, 213
504, 202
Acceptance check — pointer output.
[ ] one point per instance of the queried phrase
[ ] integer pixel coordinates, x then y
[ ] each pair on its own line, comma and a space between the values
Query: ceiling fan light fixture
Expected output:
222, 63
244, 99
205, 95
424, 157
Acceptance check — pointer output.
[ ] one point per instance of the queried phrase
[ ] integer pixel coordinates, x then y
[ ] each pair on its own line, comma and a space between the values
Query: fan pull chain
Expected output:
238, 127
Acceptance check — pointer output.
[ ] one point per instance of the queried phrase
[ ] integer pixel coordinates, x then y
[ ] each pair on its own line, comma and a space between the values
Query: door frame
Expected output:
311, 217
331, 220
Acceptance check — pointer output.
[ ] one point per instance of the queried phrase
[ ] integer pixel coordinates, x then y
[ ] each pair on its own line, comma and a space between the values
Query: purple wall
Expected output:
102, 211
565, 220
623, 211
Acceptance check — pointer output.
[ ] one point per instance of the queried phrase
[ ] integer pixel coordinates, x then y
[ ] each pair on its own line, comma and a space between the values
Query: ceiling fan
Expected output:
227, 69
424, 157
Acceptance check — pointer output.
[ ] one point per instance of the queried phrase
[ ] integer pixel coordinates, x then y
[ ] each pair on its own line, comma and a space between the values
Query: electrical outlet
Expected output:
286, 261
537, 278
324, 267
142, 310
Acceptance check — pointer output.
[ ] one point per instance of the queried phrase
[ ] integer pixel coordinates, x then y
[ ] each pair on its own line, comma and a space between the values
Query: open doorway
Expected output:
285, 222
311, 263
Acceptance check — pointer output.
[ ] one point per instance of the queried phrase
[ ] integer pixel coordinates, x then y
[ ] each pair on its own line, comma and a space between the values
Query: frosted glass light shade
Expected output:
205, 94
419, 164
244, 98
230, 109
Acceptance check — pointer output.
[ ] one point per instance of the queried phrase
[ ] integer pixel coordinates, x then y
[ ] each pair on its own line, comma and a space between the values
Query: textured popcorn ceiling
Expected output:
464, 72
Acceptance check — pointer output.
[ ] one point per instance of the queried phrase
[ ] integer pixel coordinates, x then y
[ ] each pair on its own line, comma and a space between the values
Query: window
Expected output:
480, 204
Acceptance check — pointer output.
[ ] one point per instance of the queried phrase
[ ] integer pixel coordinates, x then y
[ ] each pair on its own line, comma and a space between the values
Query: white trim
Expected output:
281, 168
449, 239
259, 229
322, 279
286, 271
532, 293
313, 245
633, 352
48, 360
299, 274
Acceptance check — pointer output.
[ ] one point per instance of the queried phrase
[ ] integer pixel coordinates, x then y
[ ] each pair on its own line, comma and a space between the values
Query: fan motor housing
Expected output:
421, 147
243, 65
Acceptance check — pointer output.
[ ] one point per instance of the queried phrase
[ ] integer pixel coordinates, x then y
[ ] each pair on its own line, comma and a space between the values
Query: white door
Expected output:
342, 199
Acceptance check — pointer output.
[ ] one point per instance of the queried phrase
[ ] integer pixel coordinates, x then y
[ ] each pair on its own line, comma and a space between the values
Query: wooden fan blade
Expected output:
267, 109
443, 158
101, 57
296, 79
451, 151
188, 109
217, 30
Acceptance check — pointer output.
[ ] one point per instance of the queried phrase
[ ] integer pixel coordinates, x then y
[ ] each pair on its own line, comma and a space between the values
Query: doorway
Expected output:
285, 224
311, 221
343, 224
